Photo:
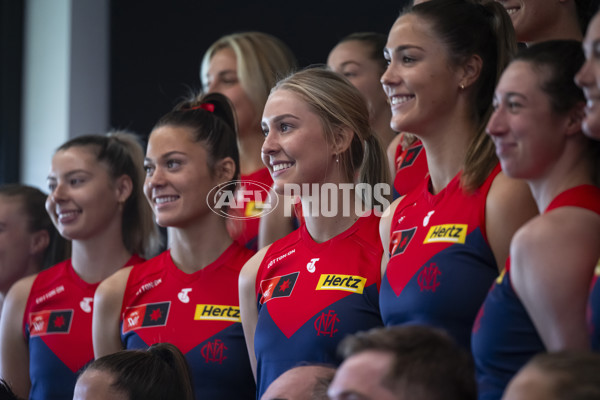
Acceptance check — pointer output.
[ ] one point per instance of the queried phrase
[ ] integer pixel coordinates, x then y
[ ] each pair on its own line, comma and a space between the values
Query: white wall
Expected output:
65, 78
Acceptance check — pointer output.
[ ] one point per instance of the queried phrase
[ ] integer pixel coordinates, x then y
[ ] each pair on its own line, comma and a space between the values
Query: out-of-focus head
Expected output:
588, 78
191, 150
28, 239
307, 382
244, 67
161, 372
557, 376
538, 108
95, 179
359, 58
401, 363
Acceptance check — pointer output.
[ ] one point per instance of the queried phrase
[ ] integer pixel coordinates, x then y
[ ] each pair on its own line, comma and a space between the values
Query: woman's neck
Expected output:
199, 244
96, 259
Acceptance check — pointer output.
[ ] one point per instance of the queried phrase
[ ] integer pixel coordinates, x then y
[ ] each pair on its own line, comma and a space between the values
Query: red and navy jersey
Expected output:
199, 313
58, 327
593, 311
504, 336
311, 295
411, 168
441, 265
245, 231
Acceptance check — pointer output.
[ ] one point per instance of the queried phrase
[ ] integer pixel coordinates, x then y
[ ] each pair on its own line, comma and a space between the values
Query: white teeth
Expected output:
165, 199
400, 99
511, 11
279, 167
67, 214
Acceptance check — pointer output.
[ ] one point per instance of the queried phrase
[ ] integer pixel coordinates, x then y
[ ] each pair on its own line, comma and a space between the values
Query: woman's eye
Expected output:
408, 60
265, 132
173, 164
285, 127
149, 169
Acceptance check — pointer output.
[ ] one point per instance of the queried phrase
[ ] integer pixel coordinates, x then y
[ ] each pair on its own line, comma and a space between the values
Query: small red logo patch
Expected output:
146, 315
280, 286
48, 322
213, 352
400, 240
427, 278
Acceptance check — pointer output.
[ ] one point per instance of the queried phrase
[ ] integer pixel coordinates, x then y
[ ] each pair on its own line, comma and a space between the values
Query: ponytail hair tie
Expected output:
204, 106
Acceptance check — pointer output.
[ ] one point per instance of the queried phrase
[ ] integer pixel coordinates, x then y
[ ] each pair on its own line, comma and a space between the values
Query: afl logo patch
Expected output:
400, 240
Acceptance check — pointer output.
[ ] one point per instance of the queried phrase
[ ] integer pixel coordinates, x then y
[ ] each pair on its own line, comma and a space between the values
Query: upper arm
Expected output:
14, 349
248, 310
385, 227
509, 205
108, 300
552, 264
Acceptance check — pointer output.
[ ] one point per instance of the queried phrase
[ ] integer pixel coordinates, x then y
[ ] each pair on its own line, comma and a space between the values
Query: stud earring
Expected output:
462, 86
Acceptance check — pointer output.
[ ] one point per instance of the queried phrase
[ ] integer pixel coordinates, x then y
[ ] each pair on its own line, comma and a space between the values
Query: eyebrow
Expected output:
70, 173
399, 49
166, 155
284, 116
515, 94
345, 63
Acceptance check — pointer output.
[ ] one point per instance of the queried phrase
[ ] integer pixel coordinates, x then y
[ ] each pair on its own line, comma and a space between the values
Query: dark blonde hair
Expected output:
467, 28
160, 372
122, 153
261, 59
338, 104
32, 202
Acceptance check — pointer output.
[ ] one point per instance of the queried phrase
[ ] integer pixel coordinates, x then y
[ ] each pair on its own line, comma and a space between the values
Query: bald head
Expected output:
300, 383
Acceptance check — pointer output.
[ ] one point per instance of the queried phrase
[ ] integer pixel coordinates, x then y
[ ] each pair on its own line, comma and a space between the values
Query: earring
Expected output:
462, 86
337, 158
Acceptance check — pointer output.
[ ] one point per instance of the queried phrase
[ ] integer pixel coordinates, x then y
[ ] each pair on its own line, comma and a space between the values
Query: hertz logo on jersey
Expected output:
216, 312
349, 283
449, 233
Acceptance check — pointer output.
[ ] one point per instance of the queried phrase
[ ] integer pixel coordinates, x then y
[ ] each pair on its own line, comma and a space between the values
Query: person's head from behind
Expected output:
160, 372
191, 150
96, 182
359, 58
557, 376
29, 241
539, 109
445, 57
317, 131
305, 382
401, 363
244, 67
588, 78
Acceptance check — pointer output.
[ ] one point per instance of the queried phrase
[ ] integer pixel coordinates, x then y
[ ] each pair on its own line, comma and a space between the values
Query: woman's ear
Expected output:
39, 242
124, 188
470, 71
576, 117
342, 139
225, 169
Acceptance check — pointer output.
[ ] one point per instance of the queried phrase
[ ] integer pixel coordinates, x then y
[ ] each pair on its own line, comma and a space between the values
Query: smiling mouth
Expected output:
165, 199
395, 100
512, 10
282, 166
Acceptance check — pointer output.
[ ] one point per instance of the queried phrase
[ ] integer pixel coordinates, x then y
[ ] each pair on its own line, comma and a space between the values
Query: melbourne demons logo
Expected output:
213, 352
427, 278
400, 240
325, 324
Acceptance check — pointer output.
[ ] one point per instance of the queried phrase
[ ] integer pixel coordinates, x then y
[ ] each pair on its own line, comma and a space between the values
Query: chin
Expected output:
591, 129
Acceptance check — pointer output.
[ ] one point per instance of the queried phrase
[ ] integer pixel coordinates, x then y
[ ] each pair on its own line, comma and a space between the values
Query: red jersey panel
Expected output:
411, 167
199, 313
311, 295
58, 326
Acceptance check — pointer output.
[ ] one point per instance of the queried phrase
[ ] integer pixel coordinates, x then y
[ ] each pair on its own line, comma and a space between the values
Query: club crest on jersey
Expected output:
400, 240
448, 233
213, 351
214, 312
410, 156
146, 316
280, 286
348, 283
427, 278
50, 322
325, 324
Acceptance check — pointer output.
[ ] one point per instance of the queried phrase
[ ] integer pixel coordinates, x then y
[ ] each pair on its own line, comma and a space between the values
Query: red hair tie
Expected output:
204, 106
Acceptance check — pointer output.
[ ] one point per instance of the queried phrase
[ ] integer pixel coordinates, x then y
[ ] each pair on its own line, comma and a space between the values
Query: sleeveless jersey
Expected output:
504, 336
199, 313
251, 195
441, 265
58, 327
311, 295
593, 311
411, 167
